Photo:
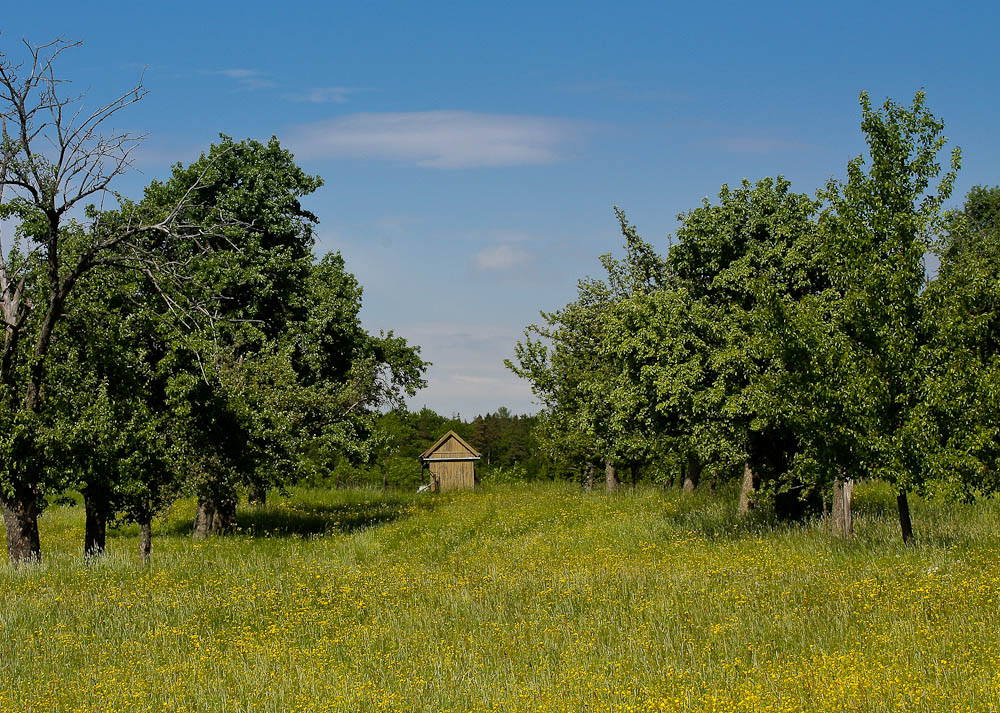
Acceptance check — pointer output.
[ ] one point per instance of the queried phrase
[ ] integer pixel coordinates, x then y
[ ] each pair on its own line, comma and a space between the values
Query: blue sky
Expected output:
472, 152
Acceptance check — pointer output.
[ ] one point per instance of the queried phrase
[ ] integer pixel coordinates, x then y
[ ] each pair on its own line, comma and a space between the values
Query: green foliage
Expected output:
108, 428
756, 245
229, 385
290, 381
591, 412
659, 358
226, 358
875, 231
960, 408
515, 473
795, 334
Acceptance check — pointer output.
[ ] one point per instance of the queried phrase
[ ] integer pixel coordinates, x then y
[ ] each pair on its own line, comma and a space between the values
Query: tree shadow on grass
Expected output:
938, 523
714, 517
303, 519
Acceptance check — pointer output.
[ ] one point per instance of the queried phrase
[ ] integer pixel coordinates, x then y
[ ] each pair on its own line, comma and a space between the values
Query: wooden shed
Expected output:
451, 462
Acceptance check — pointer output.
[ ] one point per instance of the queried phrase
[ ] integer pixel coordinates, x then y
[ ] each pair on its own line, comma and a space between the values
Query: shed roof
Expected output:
451, 439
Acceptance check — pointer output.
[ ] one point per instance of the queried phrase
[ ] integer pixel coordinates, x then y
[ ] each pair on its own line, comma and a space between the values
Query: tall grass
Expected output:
513, 598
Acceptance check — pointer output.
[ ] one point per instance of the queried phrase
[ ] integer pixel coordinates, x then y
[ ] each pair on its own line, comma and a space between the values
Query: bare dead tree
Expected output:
59, 158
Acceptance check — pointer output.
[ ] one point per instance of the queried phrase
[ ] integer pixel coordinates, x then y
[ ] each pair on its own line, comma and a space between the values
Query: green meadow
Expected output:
513, 598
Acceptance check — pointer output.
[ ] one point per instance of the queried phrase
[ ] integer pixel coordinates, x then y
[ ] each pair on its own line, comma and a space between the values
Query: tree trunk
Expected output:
95, 503
610, 477
203, 518
905, 524
145, 540
224, 521
588, 476
748, 490
692, 474
59, 289
20, 511
216, 515
842, 521
634, 468
385, 479
257, 495
20, 518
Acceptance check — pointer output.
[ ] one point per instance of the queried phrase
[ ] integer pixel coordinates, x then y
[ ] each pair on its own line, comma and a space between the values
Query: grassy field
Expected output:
514, 598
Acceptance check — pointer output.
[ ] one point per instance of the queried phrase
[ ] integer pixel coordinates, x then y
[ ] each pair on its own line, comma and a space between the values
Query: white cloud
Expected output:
468, 375
160, 155
326, 95
499, 257
397, 223
238, 73
249, 79
437, 139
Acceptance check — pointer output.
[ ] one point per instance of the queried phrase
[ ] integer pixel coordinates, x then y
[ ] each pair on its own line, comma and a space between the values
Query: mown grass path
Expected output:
517, 598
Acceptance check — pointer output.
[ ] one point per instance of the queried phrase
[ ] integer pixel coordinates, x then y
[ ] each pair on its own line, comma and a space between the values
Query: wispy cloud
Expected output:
499, 257
161, 154
397, 223
468, 375
326, 95
438, 139
248, 79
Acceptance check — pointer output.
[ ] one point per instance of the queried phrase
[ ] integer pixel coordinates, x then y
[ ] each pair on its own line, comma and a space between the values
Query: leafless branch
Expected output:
351, 408
55, 153
55, 147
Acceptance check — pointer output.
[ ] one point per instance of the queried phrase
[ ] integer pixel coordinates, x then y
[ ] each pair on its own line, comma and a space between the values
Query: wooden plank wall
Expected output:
451, 449
453, 475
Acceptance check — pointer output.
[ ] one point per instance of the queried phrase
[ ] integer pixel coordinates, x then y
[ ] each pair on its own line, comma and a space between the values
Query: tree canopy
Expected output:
799, 341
